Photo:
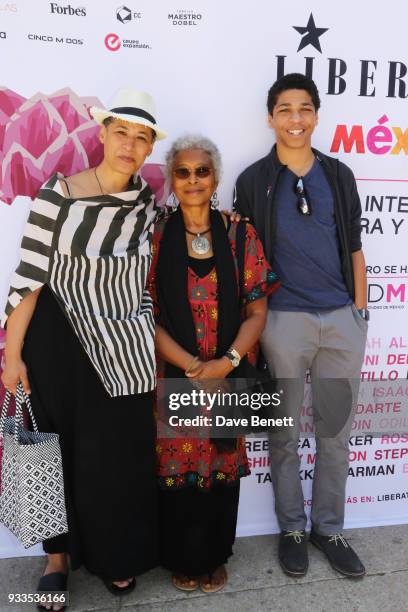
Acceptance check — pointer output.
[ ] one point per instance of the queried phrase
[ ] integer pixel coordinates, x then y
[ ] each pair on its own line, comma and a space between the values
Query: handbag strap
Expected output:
22, 398
240, 255
4, 411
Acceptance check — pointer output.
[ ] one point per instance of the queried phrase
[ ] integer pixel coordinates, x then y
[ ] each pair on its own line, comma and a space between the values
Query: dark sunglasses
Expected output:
185, 173
303, 205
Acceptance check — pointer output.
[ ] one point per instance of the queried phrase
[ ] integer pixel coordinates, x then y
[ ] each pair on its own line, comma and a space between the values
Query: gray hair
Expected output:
194, 141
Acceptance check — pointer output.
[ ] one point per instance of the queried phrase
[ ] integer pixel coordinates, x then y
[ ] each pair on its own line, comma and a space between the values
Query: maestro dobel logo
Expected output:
185, 18
125, 15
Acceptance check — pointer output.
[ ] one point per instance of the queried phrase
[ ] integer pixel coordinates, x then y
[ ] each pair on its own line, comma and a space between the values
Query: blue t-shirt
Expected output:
306, 252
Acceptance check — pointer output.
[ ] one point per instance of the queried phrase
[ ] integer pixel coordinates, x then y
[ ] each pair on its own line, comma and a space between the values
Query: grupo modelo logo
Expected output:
67, 9
113, 42
124, 14
182, 17
369, 77
3, 35
61, 40
381, 139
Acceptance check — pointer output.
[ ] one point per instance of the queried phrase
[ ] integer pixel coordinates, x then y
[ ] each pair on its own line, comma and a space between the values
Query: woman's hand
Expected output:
15, 371
215, 368
234, 216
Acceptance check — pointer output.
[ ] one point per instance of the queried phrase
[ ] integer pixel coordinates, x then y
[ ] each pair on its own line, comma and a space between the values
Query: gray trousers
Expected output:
330, 344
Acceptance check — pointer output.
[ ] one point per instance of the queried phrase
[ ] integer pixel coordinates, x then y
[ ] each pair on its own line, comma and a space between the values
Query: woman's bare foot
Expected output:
185, 583
120, 587
211, 583
56, 563
122, 584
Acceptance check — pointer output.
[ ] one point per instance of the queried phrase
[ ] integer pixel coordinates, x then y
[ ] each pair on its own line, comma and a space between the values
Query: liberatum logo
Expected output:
394, 85
57, 9
378, 140
125, 15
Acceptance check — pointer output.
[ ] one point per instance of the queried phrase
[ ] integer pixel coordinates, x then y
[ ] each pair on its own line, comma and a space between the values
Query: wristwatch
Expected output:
233, 356
364, 313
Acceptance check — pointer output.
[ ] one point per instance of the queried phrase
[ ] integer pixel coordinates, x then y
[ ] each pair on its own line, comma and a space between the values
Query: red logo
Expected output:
113, 42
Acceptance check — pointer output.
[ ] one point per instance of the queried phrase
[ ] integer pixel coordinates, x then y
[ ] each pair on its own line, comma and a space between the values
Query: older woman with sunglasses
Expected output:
203, 329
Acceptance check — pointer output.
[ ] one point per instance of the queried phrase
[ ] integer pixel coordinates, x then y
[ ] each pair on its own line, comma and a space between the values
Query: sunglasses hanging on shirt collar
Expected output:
303, 205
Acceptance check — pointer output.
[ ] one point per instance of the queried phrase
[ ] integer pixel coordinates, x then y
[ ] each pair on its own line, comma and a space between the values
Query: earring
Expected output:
214, 202
172, 201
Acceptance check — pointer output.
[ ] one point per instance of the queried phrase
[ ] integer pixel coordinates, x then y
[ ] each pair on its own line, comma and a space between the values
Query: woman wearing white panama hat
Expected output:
80, 338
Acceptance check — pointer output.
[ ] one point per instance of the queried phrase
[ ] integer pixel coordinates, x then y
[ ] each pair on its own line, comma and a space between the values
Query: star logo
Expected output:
310, 34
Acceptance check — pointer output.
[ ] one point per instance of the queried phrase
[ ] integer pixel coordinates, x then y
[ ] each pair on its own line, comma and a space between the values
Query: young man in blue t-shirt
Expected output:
306, 209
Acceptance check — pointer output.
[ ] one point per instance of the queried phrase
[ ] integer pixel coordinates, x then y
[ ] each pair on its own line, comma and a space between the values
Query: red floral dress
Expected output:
196, 461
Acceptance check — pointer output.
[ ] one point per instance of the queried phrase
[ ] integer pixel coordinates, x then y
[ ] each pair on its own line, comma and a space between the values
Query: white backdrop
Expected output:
209, 69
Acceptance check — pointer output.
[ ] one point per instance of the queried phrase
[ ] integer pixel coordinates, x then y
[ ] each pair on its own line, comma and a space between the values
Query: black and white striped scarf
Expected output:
95, 255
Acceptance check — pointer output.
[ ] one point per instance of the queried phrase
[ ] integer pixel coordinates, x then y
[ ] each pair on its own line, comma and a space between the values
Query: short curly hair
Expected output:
295, 80
194, 141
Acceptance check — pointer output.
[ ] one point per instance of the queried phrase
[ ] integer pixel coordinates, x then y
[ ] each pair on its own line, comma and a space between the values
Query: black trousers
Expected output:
197, 528
108, 451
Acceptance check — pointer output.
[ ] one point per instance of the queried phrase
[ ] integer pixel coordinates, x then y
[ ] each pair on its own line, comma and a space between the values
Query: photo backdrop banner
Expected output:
209, 67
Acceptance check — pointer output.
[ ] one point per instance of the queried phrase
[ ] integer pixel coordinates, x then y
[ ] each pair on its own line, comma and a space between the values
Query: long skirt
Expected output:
197, 528
108, 451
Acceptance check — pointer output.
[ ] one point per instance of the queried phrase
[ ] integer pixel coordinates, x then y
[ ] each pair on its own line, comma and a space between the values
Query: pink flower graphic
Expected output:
50, 133
154, 174
43, 135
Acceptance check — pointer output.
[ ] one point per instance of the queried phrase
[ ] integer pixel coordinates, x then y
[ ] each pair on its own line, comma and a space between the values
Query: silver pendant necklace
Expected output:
200, 244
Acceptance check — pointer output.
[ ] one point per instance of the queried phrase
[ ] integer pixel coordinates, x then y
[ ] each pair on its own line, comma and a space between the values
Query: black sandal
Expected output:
116, 590
52, 583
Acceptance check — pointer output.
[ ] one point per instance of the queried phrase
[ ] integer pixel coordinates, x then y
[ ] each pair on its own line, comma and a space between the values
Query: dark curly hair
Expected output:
295, 80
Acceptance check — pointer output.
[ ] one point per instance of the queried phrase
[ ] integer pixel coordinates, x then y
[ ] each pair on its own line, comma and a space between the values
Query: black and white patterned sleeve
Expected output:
32, 270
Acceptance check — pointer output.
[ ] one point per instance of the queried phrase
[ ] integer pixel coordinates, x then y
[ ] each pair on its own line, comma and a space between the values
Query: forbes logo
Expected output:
67, 10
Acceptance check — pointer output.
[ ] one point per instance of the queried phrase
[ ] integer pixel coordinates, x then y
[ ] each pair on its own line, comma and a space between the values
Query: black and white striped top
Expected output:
95, 255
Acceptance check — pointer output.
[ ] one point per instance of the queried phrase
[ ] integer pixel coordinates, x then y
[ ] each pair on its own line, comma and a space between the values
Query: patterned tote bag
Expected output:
32, 502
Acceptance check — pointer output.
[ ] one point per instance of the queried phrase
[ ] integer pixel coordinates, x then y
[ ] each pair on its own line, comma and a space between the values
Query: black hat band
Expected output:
131, 110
